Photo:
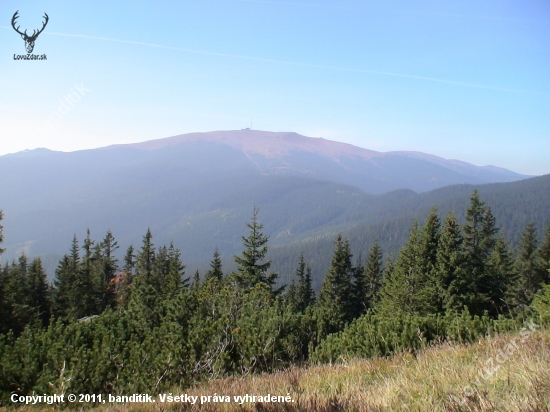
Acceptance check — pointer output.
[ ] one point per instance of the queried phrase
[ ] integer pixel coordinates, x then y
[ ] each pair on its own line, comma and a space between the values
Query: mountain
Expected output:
291, 154
199, 189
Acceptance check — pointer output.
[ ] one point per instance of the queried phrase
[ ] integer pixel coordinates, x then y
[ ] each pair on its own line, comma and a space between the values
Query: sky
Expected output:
465, 80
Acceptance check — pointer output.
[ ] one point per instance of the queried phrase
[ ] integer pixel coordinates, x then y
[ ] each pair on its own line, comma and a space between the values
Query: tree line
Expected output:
142, 324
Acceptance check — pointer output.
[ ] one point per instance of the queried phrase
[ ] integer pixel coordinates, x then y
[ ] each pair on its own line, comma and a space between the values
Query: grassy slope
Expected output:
440, 378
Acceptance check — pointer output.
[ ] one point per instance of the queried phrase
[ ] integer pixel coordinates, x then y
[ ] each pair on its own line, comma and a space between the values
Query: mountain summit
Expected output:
286, 153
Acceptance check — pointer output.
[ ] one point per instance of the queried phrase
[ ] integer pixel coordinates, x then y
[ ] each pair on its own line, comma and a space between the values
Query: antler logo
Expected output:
29, 40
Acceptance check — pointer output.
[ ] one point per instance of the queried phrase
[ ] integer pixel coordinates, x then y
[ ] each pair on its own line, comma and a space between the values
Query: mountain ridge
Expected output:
198, 192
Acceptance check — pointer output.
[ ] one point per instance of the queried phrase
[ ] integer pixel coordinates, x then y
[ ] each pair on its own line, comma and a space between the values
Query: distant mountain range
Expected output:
199, 190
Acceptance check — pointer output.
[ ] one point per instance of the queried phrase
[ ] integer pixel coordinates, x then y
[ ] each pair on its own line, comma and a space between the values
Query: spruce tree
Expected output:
107, 266
1, 233
39, 291
529, 273
300, 294
122, 286
359, 285
65, 279
479, 241
429, 243
16, 309
408, 287
333, 307
291, 296
195, 286
85, 296
215, 271
176, 271
145, 260
373, 274
65, 293
250, 269
454, 283
503, 278
306, 294
543, 256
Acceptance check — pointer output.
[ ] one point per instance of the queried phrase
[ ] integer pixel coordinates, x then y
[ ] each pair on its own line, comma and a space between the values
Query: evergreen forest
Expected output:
145, 325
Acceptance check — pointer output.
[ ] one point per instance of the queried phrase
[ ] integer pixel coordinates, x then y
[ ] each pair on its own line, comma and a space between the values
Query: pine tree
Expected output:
215, 271
334, 308
250, 269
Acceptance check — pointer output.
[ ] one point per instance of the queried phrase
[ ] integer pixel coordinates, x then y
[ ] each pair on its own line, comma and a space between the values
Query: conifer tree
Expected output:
454, 284
16, 308
122, 286
250, 269
334, 308
175, 277
196, 281
530, 275
107, 269
2, 279
306, 294
145, 260
84, 295
291, 296
408, 287
65, 283
373, 274
39, 291
479, 241
215, 271
300, 295
429, 243
1, 233
543, 256
359, 285
502, 277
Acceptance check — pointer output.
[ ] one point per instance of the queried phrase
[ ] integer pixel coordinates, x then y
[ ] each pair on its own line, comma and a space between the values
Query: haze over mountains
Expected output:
199, 190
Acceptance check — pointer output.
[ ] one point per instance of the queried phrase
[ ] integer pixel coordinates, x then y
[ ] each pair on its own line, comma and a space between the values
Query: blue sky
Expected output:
460, 79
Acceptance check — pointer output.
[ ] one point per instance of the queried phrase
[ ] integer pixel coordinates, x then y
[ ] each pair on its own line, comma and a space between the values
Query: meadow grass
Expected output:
499, 373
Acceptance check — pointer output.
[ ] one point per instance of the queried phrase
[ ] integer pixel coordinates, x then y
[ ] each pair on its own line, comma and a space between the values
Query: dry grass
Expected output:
442, 378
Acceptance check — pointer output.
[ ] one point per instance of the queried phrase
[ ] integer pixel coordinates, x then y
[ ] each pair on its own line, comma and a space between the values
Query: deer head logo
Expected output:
29, 40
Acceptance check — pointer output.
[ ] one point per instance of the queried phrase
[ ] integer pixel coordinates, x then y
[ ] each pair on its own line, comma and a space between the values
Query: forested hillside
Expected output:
387, 219
144, 324
197, 189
